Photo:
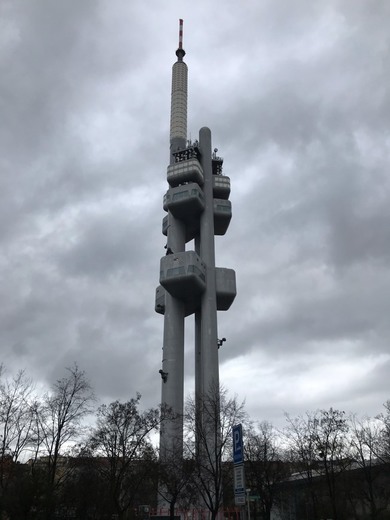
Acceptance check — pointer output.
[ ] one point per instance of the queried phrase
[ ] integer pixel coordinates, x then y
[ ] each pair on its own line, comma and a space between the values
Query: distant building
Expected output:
350, 492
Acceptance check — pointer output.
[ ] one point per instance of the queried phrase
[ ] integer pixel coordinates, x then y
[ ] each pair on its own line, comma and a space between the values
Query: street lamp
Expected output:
247, 501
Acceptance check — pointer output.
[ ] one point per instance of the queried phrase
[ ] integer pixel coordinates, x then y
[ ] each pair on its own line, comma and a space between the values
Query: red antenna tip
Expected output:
180, 33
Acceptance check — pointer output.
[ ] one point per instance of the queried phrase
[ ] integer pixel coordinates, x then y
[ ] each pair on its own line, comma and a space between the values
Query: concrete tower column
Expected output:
208, 376
172, 392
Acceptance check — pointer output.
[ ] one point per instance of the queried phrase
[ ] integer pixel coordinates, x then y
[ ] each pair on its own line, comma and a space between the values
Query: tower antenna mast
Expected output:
180, 53
180, 33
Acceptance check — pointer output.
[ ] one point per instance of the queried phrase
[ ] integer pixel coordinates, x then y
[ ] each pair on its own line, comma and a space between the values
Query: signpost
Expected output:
238, 460
239, 480
238, 445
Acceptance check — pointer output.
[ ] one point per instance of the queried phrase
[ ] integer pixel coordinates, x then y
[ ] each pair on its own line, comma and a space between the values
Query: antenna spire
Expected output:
180, 33
180, 53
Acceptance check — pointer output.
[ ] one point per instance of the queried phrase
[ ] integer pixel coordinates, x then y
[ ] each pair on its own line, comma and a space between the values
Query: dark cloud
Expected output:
296, 96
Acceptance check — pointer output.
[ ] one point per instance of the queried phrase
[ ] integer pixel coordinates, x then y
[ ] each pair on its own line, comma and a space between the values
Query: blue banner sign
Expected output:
238, 446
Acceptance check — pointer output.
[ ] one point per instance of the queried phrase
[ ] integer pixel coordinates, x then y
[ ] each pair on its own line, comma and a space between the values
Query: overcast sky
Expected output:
296, 94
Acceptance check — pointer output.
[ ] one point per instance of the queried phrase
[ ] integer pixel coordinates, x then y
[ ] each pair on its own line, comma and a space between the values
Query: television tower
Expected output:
198, 207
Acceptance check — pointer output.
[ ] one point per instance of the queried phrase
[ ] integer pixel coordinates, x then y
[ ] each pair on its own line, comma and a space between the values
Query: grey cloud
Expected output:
298, 104
108, 244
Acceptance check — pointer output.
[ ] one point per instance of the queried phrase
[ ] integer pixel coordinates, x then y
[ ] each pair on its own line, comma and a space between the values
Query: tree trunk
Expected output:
172, 509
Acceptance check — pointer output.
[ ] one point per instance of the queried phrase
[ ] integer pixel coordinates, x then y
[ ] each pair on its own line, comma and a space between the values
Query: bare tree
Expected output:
383, 446
121, 443
319, 446
175, 482
59, 424
303, 456
174, 472
209, 422
266, 466
16, 421
371, 488
15, 416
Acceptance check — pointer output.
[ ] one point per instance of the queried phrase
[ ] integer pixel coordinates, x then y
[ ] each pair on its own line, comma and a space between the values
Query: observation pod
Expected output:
191, 305
187, 202
183, 275
186, 168
184, 201
159, 305
221, 186
222, 215
191, 227
225, 288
